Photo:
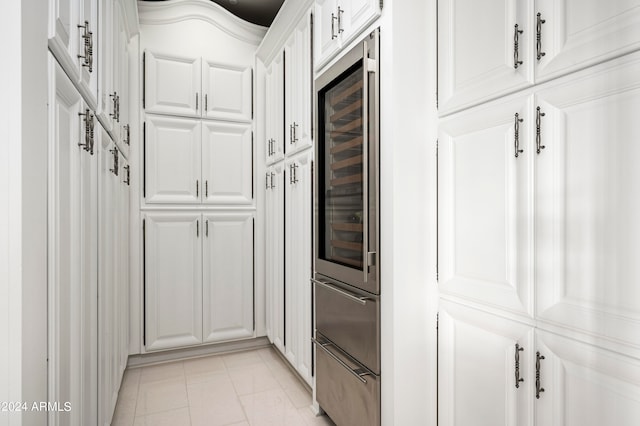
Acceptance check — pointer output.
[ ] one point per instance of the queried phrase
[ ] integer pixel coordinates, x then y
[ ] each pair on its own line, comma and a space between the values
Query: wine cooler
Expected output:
346, 285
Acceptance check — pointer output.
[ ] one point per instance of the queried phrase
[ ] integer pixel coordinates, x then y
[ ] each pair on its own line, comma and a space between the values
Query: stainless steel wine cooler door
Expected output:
347, 171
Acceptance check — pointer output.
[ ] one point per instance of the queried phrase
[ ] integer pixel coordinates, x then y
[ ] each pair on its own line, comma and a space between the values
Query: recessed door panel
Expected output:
227, 161
172, 84
227, 91
172, 162
228, 276
484, 219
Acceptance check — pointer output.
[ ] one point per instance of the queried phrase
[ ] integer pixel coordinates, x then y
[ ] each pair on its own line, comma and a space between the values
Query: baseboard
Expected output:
143, 360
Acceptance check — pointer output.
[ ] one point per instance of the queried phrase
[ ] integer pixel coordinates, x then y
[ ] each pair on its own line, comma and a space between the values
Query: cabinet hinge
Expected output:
144, 159
144, 79
144, 283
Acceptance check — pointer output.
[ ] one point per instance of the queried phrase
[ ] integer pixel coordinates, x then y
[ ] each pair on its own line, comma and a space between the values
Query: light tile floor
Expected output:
244, 388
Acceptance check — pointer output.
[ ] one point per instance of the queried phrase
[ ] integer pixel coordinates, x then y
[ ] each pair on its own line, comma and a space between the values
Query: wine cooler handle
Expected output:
365, 162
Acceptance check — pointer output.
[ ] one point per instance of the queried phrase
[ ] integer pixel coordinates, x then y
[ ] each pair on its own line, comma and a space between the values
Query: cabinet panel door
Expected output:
291, 104
484, 206
228, 276
325, 28
173, 280
356, 16
587, 202
585, 385
88, 65
172, 160
123, 301
476, 50
578, 33
65, 271
227, 163
105, 64
64, 34
278, 107
274, 201
227, 91
298, 201
172, 84
476, 369
268, 114
301, 86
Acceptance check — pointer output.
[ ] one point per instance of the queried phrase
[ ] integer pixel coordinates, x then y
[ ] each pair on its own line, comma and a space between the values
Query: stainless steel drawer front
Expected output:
350, 320
349, 393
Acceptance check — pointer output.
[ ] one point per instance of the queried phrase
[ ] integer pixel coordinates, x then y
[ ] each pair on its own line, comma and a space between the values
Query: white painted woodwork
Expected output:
298, 88
291, 85
577, 34
274, 250
485, 244
172, 84
114, 292
325, 29
227, 163
106, 63
123, 269
297, 254
228, 290
173, 280
227, 91
172, 160
72, 286
585, 385
89, 78
274, 112
123, 85
587, 201
476, 369
337, 23
476, 50
64, 32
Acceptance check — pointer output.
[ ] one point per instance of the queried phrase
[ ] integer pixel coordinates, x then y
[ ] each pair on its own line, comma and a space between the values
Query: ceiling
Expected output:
259, 12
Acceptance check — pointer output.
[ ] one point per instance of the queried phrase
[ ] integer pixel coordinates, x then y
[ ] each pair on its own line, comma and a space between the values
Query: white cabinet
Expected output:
477, 357
228, 290
483, 55
172, 160
587, 201
274, 111
173, 280
274, 250
227, 163
172, 84
197, 87
298, 88
72, 271
338, 22
227, 91
485, 162
297, 260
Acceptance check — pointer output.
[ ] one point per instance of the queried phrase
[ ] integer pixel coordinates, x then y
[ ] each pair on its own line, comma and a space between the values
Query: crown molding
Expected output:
281, 28
173, 11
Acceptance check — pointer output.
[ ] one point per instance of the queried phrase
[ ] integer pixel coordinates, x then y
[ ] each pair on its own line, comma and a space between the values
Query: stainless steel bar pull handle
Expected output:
340, 12
206, 189
357, 375
539, 23
197, 188
206, 102
361, 300
516, 134
539, 389
196, 101
516, 34
517, 366
333, 26
539, 115
206, 228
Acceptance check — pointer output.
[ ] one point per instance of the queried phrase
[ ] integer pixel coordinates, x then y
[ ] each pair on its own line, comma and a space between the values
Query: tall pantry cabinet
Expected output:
198, 191
539, 319
88, 282
288, 197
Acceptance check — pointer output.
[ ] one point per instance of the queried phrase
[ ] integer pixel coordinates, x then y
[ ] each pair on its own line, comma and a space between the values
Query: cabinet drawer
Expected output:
348, 393
349, 320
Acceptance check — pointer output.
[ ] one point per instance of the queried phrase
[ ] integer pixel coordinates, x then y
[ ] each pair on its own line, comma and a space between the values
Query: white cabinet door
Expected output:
227, 91
269, 104
290, 91
227, 295
106, 106
88, 47
275, 110
227, 163
476, 49
172, 84
122, 71
64, 34
274, 250
298, 202
484, 206
577, 34
587, 202
585, 385
301, 88
172, 160
173, 280
72, 260
123, 300
477, 369
325, 26
356, 15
